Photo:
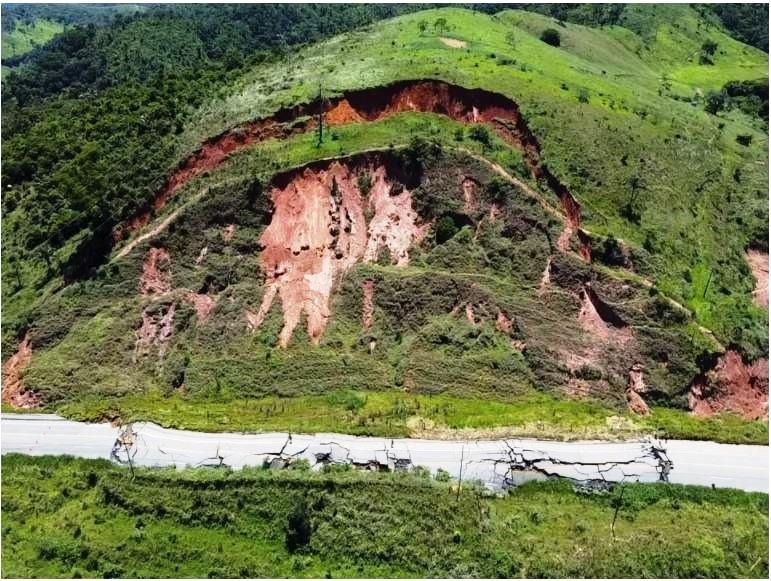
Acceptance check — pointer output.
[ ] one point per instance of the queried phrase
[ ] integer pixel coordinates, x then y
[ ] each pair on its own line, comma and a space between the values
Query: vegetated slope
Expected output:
66, 517
456, 303
24, 37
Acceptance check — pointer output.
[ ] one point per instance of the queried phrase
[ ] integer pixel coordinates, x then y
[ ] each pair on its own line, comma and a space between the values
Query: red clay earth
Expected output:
13, 369
732, 386
318, 231
461, 104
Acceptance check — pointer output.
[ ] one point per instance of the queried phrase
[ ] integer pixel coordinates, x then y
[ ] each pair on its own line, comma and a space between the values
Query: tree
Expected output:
422, 26
708, 50
551, 36
440, 25
714, 102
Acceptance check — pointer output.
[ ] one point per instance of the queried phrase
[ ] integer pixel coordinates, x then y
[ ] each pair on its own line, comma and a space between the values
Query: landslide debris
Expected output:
14, 392
731, 385
758, 261
430, 96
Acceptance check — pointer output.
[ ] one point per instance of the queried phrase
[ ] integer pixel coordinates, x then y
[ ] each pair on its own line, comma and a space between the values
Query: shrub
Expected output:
551, 36
714, 102
481, 134
298, 527
744, 140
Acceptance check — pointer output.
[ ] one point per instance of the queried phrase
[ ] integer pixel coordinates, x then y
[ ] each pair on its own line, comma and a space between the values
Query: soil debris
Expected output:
14, 393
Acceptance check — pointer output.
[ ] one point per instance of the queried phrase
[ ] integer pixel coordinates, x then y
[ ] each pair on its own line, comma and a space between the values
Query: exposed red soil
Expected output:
636, 387
503, 322
461, 104
156, 273
202, 303
14, 392
318, 231
758, 262
732, 386
598, 319
368, 305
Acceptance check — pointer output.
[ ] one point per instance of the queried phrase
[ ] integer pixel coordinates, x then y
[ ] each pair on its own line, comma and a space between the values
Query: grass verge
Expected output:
65, 517
395, 414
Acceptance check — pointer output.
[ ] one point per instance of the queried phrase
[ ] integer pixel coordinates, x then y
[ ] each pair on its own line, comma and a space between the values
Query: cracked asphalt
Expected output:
496, 463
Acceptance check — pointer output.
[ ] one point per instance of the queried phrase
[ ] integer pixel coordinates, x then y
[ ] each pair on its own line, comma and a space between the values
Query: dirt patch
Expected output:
156, 272
453, 42
758, 262
732, 386
503, 323
368, 304
318, 231
342, 113
14, 393
599, 319
202, 303
470, 186
636, 387
546, 276
470, 314
461, 104
228, 232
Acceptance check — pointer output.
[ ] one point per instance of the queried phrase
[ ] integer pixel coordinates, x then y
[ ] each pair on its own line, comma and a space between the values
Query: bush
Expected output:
481, 134
551, 36
298, 527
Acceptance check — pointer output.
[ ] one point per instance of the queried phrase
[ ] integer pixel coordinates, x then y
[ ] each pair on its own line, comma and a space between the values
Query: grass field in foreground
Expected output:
398, 414
64, 517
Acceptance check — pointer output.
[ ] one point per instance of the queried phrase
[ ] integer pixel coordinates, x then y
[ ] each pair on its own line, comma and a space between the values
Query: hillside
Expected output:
576, 233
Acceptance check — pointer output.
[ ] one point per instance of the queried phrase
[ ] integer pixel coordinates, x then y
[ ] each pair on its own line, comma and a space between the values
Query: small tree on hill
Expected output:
551, 36
440, 25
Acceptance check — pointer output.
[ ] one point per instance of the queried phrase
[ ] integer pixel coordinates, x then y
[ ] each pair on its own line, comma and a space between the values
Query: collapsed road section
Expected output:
497, 463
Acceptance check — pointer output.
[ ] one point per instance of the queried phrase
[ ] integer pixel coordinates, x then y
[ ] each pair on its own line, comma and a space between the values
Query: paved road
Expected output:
494, 462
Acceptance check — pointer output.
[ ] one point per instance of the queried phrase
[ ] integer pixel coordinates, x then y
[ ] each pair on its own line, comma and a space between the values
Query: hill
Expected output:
486, 217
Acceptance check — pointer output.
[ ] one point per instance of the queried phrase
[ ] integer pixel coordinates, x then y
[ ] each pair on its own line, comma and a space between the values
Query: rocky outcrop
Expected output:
636, 387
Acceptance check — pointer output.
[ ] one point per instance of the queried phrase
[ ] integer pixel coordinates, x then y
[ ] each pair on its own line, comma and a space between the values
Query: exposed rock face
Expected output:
758, 262
732, 386
14, 392
318, 231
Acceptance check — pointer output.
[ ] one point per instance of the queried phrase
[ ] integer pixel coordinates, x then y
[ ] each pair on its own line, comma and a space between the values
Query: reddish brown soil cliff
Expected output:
732, 386
461, 104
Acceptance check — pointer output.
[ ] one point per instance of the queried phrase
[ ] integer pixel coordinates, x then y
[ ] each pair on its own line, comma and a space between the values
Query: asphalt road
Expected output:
494, 462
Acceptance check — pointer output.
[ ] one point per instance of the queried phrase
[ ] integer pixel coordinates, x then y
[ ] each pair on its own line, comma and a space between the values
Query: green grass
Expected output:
66, 518
397, 414
24, 37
